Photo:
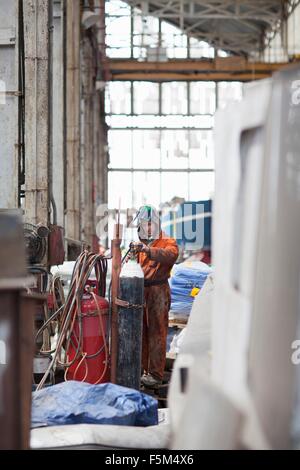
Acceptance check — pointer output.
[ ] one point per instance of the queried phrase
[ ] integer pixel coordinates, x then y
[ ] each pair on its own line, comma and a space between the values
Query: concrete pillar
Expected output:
37, 22
88, 81
73, 119
58, 110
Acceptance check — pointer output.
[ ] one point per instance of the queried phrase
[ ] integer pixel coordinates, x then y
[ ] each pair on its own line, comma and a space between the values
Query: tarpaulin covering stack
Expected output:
79, 402
186, 281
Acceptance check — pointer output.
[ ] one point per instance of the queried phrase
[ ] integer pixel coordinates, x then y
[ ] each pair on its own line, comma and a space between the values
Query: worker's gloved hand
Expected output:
138, 247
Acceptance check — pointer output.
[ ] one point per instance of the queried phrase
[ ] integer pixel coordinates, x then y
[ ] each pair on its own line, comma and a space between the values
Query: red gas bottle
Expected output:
89, 342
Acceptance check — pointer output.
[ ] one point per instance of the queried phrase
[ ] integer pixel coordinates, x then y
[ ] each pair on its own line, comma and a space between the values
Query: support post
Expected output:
116, 269
73, 119
37, 21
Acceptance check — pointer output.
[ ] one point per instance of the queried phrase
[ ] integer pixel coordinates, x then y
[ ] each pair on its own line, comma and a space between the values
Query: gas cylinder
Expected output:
130, 325
91, 364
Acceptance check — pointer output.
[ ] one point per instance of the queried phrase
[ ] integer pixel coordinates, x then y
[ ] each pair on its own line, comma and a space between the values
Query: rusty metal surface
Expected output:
56, 246
16, 337
10, 405
116, 268
16, 359
26, 351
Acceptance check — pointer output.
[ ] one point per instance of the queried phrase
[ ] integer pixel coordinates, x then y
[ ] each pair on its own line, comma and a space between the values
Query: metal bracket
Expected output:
11, 93
125, 304
7, 36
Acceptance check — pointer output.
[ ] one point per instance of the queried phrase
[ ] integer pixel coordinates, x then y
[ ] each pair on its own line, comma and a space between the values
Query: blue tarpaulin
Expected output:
78, 402
185, 277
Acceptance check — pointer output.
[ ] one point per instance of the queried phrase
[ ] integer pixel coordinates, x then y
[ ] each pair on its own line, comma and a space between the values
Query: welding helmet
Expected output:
147, 214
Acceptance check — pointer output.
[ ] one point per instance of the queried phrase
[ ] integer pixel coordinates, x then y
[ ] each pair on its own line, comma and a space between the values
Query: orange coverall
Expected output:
157, 267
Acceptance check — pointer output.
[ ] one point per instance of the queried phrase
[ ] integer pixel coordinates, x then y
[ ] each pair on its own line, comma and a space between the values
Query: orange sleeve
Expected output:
166, 255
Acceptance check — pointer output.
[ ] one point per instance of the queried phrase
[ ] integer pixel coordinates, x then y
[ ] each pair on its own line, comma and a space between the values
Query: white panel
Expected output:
8, 104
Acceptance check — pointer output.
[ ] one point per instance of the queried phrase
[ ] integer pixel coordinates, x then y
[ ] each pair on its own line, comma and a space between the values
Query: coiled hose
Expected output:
71, 311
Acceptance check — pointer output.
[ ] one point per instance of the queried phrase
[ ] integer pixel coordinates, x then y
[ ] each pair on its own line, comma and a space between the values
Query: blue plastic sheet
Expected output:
78, 402
186, 276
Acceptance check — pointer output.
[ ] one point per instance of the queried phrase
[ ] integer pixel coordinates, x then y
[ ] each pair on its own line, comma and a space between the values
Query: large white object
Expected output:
194, 354
250, 396
257, 258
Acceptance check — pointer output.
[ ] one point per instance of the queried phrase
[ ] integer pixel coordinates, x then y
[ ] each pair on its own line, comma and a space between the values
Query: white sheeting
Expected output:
130, 437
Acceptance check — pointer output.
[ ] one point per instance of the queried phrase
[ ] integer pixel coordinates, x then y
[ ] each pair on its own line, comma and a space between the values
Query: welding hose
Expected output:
84, 265
67, 316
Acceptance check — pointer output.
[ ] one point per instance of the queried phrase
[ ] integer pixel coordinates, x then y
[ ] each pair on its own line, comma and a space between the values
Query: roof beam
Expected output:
268, 10
219, 69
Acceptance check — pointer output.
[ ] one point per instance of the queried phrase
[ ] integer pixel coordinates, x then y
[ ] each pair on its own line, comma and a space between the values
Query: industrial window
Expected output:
160, 134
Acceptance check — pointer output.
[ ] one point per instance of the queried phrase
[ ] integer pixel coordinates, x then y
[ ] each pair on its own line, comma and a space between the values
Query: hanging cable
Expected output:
71, 312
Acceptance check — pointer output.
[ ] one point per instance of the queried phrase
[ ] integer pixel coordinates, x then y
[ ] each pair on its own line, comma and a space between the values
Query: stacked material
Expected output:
186, 282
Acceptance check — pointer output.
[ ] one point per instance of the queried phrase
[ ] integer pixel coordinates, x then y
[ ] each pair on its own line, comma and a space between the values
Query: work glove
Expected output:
138, 247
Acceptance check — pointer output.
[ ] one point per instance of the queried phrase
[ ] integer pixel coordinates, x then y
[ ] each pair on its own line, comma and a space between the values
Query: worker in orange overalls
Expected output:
156, 254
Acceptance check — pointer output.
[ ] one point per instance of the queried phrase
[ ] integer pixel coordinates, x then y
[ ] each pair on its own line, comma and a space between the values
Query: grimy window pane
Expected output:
146, 149
201, 186
202, 97
201, 149
146, 96
118, 36
174, 98
200, 49
175, 149
117, 7
120, 149
174, 41
174, 185
229, 91
119, 95
119, 189
145, 30
146, 188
